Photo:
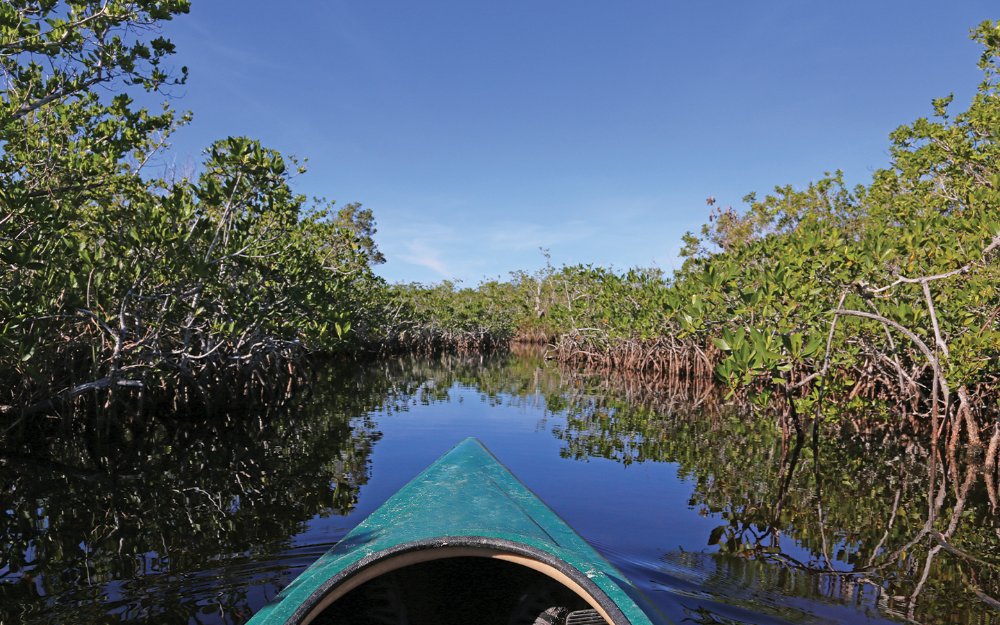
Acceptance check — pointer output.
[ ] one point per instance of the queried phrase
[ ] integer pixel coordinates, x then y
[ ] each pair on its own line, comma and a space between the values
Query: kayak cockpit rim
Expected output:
408, 554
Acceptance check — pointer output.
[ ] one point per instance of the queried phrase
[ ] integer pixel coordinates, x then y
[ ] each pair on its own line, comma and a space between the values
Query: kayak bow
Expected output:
466, 507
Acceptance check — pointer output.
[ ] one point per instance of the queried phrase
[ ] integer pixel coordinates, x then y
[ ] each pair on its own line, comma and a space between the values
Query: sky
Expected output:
481, 132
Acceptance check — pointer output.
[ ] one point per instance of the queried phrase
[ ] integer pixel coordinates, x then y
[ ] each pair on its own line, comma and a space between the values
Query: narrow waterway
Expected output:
717, 517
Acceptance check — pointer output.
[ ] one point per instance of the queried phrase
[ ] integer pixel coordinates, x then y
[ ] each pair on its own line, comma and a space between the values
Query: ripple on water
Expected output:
707, 587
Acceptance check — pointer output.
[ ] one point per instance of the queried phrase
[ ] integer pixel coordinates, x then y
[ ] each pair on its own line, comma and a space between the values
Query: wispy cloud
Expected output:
239, 58
419, 254
521, 236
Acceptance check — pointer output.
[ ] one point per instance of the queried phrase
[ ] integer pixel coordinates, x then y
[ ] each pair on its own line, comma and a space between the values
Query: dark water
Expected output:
718, 518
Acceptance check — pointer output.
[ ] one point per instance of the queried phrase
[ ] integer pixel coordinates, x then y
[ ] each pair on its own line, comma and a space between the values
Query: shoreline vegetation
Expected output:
116, 282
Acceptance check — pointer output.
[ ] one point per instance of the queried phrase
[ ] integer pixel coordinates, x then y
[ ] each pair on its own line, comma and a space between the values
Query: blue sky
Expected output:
480, 131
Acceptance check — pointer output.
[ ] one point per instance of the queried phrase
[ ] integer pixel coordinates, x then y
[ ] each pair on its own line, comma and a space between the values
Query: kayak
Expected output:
464, 542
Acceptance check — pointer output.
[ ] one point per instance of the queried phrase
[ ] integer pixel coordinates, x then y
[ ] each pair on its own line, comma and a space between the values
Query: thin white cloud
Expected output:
240, 59
419, 254
531, 236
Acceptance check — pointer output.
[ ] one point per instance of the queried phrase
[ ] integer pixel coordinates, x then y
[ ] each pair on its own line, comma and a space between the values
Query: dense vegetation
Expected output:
114, 277
120, 280
880, 299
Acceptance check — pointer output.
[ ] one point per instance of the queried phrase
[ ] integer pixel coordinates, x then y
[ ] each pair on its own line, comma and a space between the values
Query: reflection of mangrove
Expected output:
879, 519
267, 380
881, 514
910, 528
500, 374
119, 510
142, 518
628, 418
105, 515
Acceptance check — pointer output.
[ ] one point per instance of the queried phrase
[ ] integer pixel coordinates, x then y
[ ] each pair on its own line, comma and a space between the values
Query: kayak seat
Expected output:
550, 603
585, 617
460, 591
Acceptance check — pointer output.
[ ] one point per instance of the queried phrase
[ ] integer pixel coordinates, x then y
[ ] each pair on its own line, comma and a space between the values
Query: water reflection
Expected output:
160, 518
877, 519
200, 520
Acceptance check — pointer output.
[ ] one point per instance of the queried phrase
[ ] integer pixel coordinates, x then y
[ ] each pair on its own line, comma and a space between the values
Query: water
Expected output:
717, 517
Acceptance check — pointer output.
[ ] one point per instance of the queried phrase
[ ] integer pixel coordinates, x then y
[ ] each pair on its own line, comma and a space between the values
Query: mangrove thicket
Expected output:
121, 279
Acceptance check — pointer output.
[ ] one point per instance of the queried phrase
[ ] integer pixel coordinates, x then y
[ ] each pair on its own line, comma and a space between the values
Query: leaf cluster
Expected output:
113, 277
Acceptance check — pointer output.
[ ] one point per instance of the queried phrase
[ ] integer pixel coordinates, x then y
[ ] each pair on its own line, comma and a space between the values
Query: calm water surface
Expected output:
718, 518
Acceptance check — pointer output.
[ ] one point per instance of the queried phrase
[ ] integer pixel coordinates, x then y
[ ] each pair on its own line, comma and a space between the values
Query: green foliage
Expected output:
442, 316
112, 277
756, 297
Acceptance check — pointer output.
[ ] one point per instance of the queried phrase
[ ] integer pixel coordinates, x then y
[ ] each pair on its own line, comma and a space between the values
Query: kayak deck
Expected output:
465, 506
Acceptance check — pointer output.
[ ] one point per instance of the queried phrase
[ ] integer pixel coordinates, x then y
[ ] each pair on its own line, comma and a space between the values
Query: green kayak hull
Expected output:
465, 504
